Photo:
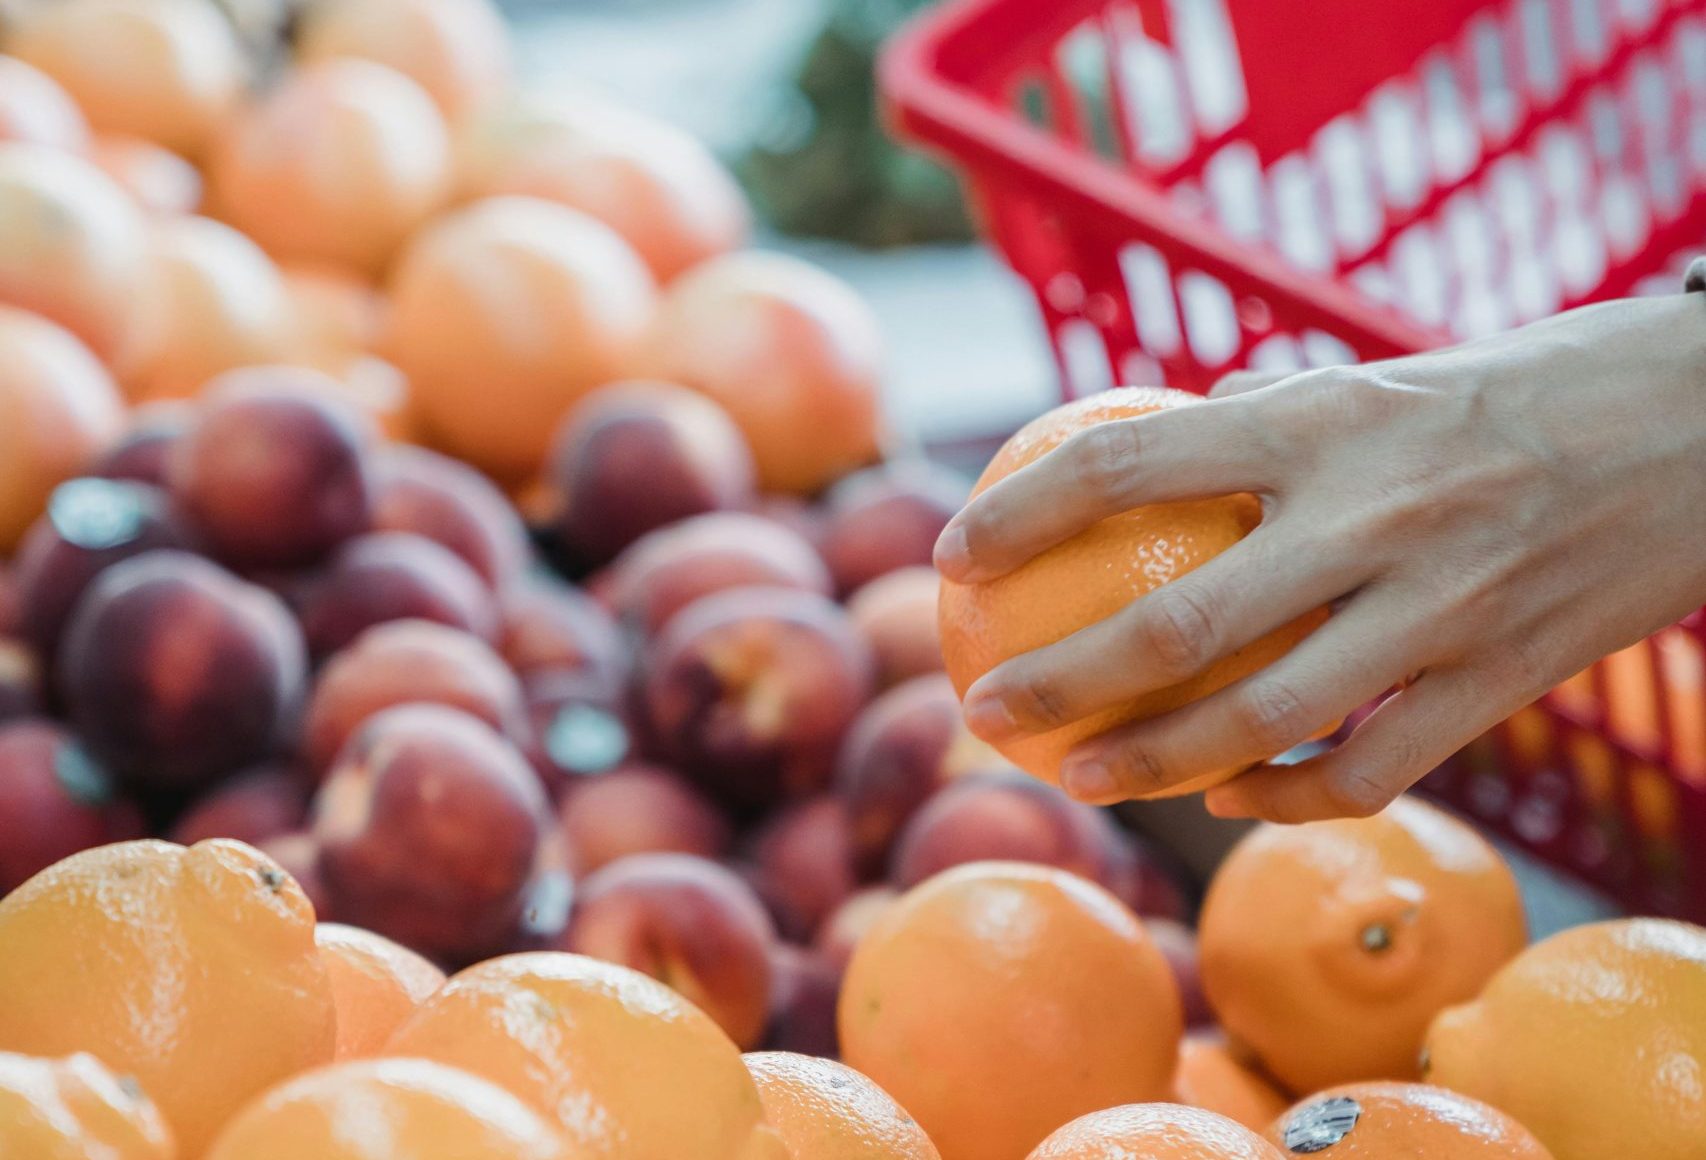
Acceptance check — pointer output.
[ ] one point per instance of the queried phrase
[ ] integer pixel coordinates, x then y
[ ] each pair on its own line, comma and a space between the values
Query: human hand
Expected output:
1485, 521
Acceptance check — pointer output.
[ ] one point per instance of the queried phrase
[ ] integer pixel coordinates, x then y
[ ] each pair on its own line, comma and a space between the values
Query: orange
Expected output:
1381, 1121
72, 244
997, 1001
192, 969
158, 180
1212, 1075
791, 352
35, 110
503, 314
376, 984
456, 50
1328, 948
654, 184
626, 1066
388, 1109
75, 1109
58, 410
1094, 575
213, 301
825, 1110
339, 164
1595, 1039
168, 71
1155, 1132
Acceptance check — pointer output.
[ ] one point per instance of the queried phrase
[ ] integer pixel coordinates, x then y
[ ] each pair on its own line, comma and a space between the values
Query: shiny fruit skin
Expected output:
75, 1109
1375, 1121
1154, 1132
827, 1111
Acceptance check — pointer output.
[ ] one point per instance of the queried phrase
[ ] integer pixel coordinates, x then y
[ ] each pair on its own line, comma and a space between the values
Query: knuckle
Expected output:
1039, 698
1355, 793
1145, 770
1177, 628
1106, 457
1272, 716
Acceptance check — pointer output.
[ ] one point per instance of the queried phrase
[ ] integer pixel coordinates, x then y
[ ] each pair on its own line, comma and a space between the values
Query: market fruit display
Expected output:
471, 668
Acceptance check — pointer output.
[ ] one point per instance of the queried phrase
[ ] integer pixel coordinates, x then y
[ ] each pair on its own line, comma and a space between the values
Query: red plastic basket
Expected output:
1193, 186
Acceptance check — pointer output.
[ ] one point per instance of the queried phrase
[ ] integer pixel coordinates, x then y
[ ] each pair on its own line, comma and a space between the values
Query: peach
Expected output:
1008, 817
802, 517
634, 456
638, 809
840, 933
54, 801
1143, 879
1179, 944
176, 672
907, 744
686, 922
385, 576
749, 692
433, 495
804, 989
90, 524
272, 472
897, 614
663, 572
298, 854
143, 453
430, 828
579, 727
888, 517
20, 680
803, 864
8, 601
257, 804
550, 627
406, 661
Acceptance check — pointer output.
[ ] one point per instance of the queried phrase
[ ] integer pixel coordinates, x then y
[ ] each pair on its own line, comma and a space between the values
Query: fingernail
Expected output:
1088, 779
953, 553
990, 719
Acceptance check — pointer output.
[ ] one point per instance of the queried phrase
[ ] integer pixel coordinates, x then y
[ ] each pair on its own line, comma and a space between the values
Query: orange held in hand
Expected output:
628, 1068
376, 984
75, 1109
193, 969
503, 315
999, 1000
389, 1109
1379, 1121
1154, 1132
1094, 575
58, 410
825, 1110
1328, 948
1595, 1039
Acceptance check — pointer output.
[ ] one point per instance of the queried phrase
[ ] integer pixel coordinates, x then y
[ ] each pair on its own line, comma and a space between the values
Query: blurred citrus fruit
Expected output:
75, 1109
35, 110
1094, 575
503, 314
212, 301
376, 984
827, 1111
628, 1068
339, 164
1369, 926
1595, 1039
789, 350
158, 180
388, 1109
58, 410
1211, 1075
654, 184
192, 969
72, 244
1378, 1121
1154, 1132
168, 71
997, 1001
456, 50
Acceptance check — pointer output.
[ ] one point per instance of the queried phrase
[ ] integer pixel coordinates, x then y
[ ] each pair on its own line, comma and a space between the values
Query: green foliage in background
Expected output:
825, 168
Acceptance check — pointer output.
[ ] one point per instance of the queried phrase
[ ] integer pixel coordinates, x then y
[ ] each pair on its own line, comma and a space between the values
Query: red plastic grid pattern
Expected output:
1191, 186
